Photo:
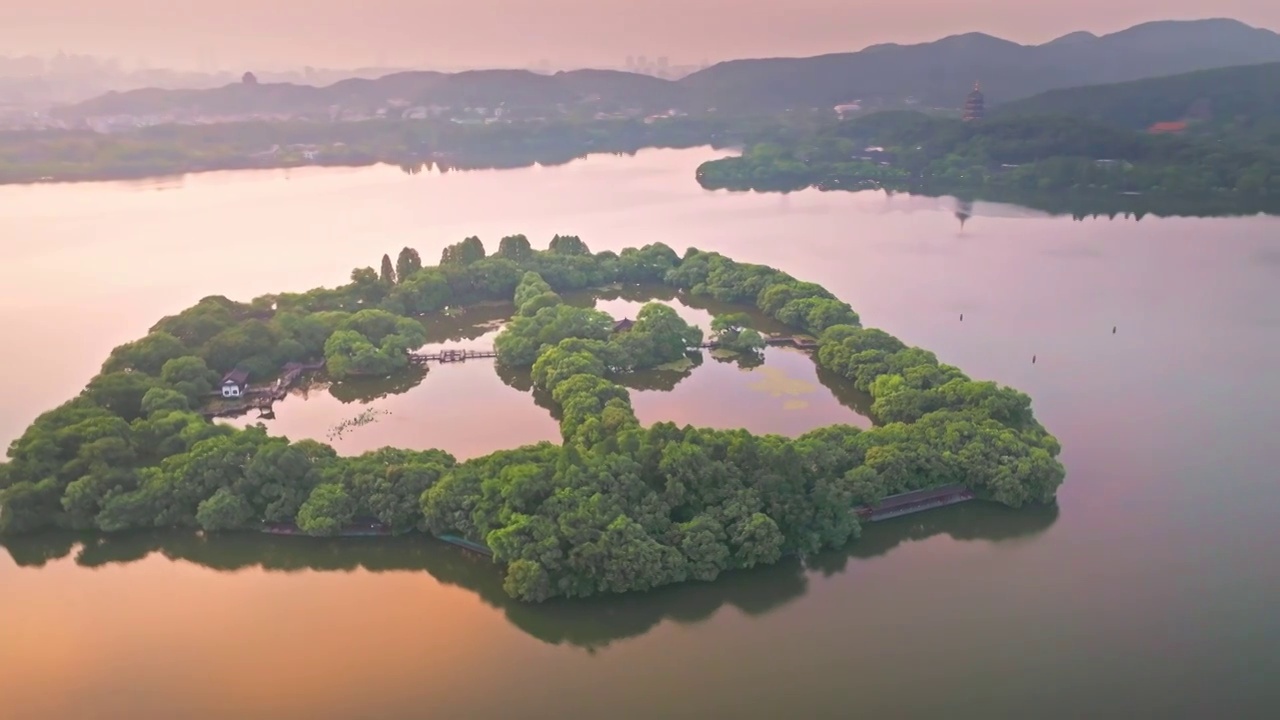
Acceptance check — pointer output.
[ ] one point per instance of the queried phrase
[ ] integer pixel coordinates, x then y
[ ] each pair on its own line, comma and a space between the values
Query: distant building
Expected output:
623, 325
843, 110
1168, 128
975, 105
876, 155
235, 383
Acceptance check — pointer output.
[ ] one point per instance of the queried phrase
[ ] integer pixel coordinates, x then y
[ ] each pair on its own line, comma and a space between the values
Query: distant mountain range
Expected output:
475, 88
942, 72
936, 74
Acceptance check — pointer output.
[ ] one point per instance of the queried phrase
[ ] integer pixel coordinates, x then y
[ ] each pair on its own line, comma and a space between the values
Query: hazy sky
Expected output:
441, 33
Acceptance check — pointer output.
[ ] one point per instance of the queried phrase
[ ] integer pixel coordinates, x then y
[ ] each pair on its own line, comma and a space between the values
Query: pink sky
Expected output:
444, 33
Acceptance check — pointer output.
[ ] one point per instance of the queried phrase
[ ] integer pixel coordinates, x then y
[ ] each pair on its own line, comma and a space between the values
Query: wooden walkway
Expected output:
447, 356
293, 371
914, 502
803, 343
466, 544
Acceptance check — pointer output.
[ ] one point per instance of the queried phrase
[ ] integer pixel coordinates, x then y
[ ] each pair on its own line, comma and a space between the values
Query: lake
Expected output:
1148, 591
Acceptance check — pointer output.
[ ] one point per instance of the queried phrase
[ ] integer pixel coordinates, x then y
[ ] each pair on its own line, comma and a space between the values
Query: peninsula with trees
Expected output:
1205, 142
1044, 153
614, 507
413, 145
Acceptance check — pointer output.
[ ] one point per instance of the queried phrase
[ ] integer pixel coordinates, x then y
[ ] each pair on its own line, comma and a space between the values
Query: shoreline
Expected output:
888, 508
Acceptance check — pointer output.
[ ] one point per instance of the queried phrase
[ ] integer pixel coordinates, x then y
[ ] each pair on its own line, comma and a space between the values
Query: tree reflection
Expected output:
365, 389
966, 522
844, 391
660, 380
1082, 206
591, 624
743, 361
471, 323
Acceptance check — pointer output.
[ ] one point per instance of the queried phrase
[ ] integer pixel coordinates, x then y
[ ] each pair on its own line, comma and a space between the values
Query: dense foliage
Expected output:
907, 150
615, 507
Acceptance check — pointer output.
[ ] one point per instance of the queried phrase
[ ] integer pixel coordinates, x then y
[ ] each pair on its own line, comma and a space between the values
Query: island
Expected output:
615, 507
1001, 157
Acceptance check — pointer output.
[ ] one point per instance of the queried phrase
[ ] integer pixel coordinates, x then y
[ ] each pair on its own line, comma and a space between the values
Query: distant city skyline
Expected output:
280, 34
208, 63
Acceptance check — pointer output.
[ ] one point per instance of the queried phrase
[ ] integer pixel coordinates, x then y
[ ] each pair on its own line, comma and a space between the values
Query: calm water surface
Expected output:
1149, 591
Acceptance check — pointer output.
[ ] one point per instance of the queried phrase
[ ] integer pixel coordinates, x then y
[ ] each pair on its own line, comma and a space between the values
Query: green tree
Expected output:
515, 247
468, 251
568, 245
388, 273
224, 510
659, 336
732, 333
326, 511
147, 355
163, 400
519, 344
121, 393
408, 263
426, 291
190, 376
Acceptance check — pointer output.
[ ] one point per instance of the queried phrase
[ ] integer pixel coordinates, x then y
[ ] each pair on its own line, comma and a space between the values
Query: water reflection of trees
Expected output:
520, 379
743, 361
365, 389
1081, 206
593, 623
844, 391
472, 323
966, 522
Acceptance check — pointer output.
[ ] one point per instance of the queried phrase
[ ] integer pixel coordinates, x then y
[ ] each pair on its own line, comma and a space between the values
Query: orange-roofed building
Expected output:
1167, 128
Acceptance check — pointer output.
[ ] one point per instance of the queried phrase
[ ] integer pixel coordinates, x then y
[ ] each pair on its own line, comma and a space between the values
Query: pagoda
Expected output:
975, 105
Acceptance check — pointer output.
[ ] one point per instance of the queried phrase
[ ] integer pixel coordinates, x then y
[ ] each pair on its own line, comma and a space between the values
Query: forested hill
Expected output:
1243, 98
935, 74
942, 72
477, 88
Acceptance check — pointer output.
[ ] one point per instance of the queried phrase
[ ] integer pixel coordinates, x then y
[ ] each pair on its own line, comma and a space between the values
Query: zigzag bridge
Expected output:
451, 355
